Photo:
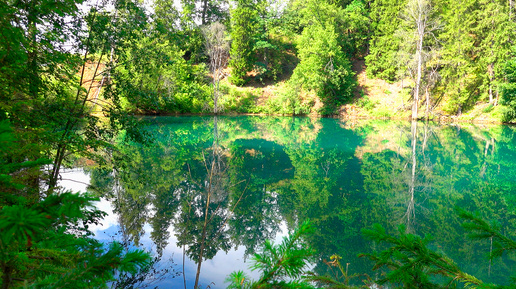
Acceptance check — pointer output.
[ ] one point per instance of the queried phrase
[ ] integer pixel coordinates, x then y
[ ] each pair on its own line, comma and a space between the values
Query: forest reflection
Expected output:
227, 182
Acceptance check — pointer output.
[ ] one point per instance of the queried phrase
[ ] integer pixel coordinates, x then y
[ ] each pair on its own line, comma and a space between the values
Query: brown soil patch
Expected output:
380, 93
92, 82
269, 87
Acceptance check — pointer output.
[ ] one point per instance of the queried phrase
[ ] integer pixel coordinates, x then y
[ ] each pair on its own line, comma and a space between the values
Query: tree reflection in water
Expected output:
224, 182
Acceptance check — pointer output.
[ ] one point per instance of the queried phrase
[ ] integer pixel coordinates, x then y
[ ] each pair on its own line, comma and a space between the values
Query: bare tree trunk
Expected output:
427, 103
216, 97
419, 55
490, 69
204, 12
510, 10
217, 47
418, 15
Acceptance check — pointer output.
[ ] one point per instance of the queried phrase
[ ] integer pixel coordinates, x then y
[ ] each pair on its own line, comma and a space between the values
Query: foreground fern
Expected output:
46, 245
411, 262
480, 229
408, 260
341, 278
281, 266
44, 237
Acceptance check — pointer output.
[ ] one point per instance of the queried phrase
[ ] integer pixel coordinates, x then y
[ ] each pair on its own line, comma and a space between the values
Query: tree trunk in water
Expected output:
410, 207
214, 171
203, 236
184, 277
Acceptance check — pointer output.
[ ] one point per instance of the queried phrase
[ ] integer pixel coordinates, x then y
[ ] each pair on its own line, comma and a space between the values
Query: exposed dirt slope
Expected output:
92, 83
376, 97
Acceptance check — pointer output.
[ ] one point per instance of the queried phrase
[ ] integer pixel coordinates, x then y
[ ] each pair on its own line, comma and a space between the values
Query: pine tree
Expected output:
281, 266
324, 67
243, 26
482, 230
495, 32
383, 46
46, 242
459, 72
476, 46
508, 90
411, 262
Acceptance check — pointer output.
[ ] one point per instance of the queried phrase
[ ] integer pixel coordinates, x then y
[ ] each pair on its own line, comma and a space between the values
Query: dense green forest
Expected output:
263, 56
73, 74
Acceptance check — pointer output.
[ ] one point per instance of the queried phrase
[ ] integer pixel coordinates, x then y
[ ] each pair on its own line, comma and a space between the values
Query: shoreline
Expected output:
441, 119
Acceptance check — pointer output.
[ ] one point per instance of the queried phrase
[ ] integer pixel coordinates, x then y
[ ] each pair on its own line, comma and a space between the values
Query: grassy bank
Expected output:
373, 98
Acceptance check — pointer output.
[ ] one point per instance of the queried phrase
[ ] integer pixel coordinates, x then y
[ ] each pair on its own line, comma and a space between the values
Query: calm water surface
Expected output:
264, 175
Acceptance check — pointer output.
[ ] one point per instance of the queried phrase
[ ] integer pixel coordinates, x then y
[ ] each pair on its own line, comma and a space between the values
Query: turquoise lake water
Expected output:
256, 178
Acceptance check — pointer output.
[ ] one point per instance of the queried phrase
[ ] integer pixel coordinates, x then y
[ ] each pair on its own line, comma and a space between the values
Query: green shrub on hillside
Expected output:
324, 67
287, 101
509, 91
235, 100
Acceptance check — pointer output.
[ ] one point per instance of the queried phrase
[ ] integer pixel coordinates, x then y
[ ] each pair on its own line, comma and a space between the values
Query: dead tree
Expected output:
420, 24
217, 48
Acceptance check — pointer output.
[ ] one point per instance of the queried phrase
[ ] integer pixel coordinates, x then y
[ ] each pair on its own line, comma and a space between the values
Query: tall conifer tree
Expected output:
385, 20
459, 72
243, 26
476, 45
